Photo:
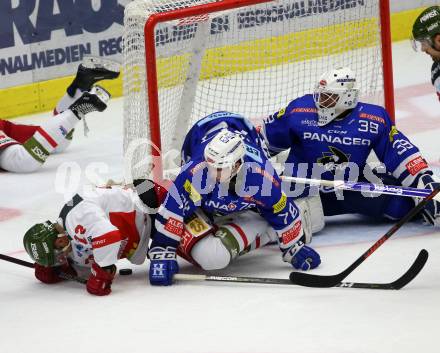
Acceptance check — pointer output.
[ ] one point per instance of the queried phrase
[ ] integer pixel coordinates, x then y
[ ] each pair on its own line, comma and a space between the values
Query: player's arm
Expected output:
406, 163
89, 223
284, 217
277, 131
179, 203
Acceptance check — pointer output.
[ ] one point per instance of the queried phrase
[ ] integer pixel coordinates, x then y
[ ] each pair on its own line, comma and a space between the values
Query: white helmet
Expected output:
222, 154
335, 92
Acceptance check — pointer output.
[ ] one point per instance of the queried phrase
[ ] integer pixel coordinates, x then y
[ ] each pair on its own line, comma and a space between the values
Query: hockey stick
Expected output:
311, 280
364, 187
31, 265
399, 283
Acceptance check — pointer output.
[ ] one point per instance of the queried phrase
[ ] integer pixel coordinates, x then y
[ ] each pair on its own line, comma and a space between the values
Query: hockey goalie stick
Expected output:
399, 283
31, 265
311, 280
364, 187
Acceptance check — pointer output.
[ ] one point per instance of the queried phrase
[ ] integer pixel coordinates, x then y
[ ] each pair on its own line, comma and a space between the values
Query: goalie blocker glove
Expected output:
163, 265
431, 212
302, 257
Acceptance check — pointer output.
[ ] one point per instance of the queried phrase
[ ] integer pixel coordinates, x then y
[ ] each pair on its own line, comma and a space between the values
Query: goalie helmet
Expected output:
426, 26
39, 243
335, 92
223, 153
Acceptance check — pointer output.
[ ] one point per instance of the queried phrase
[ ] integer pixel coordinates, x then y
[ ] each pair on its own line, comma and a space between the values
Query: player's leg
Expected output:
236, 235
90, 71
29, 156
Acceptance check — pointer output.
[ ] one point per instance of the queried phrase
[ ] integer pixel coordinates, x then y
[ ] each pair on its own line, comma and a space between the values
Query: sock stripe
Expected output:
47, 137
241, 233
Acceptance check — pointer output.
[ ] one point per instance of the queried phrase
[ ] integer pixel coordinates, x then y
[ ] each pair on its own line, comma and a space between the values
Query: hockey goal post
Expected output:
186, 59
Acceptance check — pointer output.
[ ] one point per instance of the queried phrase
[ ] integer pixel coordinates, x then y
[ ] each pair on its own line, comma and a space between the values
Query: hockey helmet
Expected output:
335, 92
426, 26
39, 243
223, 153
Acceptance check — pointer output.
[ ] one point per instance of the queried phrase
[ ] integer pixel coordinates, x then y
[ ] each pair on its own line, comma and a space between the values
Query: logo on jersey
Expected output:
292, 233
393, 133
174, 226
342, 140
415, 165
309, 122
304, 110
281, 113
335, 159
190, 189
281, 204
372, 117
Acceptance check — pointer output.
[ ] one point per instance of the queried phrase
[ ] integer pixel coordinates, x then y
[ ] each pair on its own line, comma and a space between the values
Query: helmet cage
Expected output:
335, 93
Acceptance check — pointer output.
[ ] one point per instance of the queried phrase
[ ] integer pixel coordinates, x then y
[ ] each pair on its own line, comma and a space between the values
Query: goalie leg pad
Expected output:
312, 215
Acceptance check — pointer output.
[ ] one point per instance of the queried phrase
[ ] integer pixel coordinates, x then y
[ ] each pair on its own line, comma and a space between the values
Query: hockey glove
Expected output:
50, 275
163, 265
99, 283
302, 257
431, 212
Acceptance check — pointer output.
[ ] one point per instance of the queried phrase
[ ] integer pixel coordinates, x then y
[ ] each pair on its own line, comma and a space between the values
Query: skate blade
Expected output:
94, 62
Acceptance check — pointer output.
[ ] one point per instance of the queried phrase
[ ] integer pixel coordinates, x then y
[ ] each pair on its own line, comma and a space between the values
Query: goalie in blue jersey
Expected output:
330, 135
226, 201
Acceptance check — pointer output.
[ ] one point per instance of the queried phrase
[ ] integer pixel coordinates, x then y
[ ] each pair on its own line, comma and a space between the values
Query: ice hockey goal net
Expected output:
186, 59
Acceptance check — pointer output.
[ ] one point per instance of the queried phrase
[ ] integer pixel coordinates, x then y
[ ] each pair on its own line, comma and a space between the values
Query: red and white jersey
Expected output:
107, 225
11, 134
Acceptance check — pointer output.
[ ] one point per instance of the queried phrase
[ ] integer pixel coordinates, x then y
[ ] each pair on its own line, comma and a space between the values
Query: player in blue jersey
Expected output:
330, 135
226, 201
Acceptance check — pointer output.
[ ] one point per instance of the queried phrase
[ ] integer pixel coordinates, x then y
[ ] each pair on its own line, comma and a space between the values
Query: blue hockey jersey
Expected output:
341, 147
257, 186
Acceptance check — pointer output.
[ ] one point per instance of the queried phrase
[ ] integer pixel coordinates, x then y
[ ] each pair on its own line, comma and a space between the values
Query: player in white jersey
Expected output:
25, 148
91, 234
426, 37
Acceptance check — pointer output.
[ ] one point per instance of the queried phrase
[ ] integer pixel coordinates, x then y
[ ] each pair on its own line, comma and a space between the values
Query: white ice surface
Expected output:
223, 317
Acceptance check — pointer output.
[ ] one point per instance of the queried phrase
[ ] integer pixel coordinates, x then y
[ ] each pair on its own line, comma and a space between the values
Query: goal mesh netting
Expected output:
251, 60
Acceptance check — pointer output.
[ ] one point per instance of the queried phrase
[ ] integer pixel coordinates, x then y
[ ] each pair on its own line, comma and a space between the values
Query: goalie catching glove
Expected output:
431, 212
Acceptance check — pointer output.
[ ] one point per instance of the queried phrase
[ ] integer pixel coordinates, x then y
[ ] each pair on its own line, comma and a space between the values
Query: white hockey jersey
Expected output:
107, 225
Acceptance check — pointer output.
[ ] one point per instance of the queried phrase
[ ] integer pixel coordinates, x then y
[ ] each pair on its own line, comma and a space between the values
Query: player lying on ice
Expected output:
329, 133
91, 234
230, 198
25, 148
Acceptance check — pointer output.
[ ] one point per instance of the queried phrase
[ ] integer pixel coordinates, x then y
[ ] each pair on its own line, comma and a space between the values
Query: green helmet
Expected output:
427, 25
39, 242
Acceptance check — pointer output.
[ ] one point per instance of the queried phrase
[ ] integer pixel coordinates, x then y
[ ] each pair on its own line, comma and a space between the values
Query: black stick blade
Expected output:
317, 281
413, 271
311, 280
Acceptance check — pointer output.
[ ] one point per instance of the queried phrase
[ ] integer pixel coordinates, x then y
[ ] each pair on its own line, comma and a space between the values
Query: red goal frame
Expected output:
198, 10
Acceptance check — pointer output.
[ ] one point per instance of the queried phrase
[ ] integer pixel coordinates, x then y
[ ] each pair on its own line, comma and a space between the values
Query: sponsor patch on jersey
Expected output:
393, 133
415, 165
253, 153
304, 110
372, 117
281, 204
281, 113
342, 140
190, 189
174, 226
291, 233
